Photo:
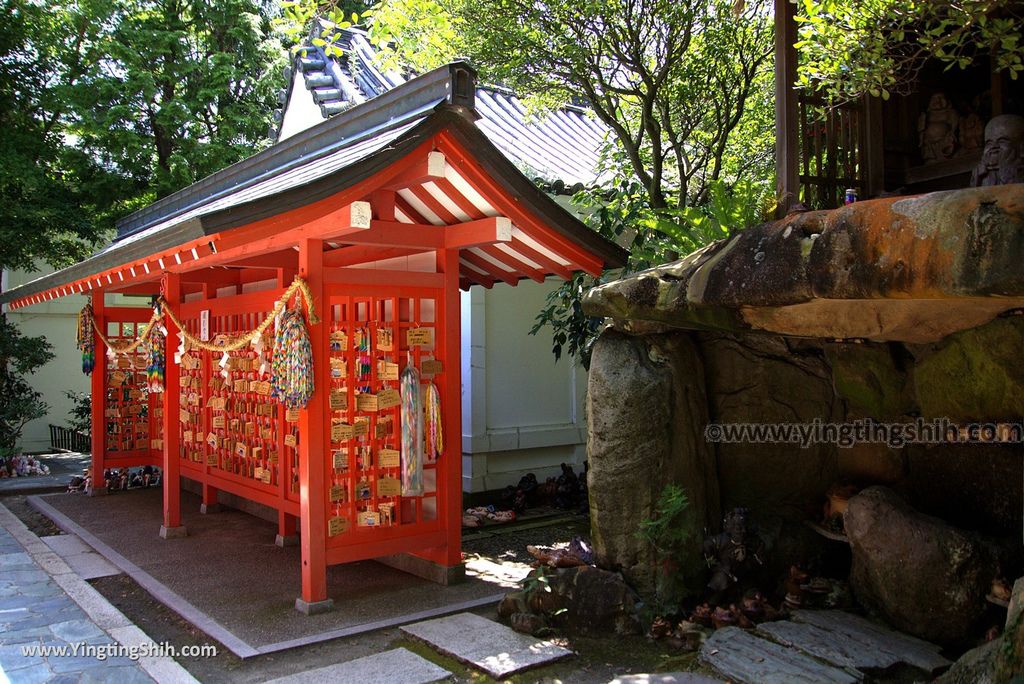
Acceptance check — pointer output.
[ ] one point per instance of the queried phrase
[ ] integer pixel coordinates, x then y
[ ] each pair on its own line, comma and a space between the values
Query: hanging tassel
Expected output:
434, 428
412, 432
86, 341
153, 347
291, 379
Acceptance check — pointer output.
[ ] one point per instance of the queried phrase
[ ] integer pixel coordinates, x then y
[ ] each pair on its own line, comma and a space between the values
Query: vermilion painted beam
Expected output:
484, 231
489, 268
460, 200
284, 258
516, 264
151, 288
383, 204
368, 276
477, 278
475, 175
280, 231
361, 254
548, 264
408, 210
432, 203
426, 170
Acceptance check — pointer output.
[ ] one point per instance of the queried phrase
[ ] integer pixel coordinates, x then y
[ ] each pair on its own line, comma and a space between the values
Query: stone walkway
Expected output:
815, 646
45, 605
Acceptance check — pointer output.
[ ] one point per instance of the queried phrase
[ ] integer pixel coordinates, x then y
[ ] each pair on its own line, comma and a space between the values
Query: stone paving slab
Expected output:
743, 657
397, 666
485, 644
666, 678
86, 563
864, 643
50, 606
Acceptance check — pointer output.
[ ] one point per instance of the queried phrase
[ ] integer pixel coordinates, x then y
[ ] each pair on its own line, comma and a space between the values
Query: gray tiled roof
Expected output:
562, 149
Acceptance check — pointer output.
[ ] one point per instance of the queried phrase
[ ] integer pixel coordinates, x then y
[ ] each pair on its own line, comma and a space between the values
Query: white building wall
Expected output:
521, 411
57, 321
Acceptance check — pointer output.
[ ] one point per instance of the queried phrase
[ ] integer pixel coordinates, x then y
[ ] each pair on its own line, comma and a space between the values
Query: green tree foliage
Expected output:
684, 87
848, 49
44, 206
170, 91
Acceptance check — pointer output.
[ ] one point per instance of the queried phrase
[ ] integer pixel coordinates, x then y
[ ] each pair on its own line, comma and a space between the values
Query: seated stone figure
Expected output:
1002, 160
733, 553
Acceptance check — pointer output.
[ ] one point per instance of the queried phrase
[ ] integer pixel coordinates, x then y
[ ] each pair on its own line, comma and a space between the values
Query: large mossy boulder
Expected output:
925, 577
646, 409
983, 366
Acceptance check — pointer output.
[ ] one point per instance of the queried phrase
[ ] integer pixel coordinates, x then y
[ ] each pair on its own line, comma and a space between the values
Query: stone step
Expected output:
399, 665
868, 644
744, 657
80, 557
485, 644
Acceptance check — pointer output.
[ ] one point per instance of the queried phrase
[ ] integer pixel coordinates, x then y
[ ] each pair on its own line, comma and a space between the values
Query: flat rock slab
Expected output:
485, 644
399, 665
666, 678
86, 563
744, 657
866, 644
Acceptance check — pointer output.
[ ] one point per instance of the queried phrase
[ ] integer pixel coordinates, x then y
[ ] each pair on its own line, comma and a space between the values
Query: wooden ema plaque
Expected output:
387, 370
338, 400
389, 458
341, 432
388, 398
431, 367
419, 337
339, 494
337, 525
389, 486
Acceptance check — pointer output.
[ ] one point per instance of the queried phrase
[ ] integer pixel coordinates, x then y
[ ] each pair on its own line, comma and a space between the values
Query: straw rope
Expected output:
298, 285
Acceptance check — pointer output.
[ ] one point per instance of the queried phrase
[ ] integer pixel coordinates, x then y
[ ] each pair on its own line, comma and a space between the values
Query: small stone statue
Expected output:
734, 552
972, 134
936, 128
1002, 160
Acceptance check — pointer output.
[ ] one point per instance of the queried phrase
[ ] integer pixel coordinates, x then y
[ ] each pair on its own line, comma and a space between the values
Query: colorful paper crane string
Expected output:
86, 339
435, 431
291, 368
412, 432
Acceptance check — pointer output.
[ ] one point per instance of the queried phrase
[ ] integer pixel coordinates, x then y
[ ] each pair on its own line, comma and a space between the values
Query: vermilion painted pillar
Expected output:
312, 432
99, 397
209, 503
451, 406
287, 524
449, 476
171, 479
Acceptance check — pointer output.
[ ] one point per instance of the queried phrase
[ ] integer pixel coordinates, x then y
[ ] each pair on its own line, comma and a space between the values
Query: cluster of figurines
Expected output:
568, 491
943, 134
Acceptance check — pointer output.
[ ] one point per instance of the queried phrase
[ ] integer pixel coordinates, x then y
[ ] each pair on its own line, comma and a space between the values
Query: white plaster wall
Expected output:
522, 411
57, 321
